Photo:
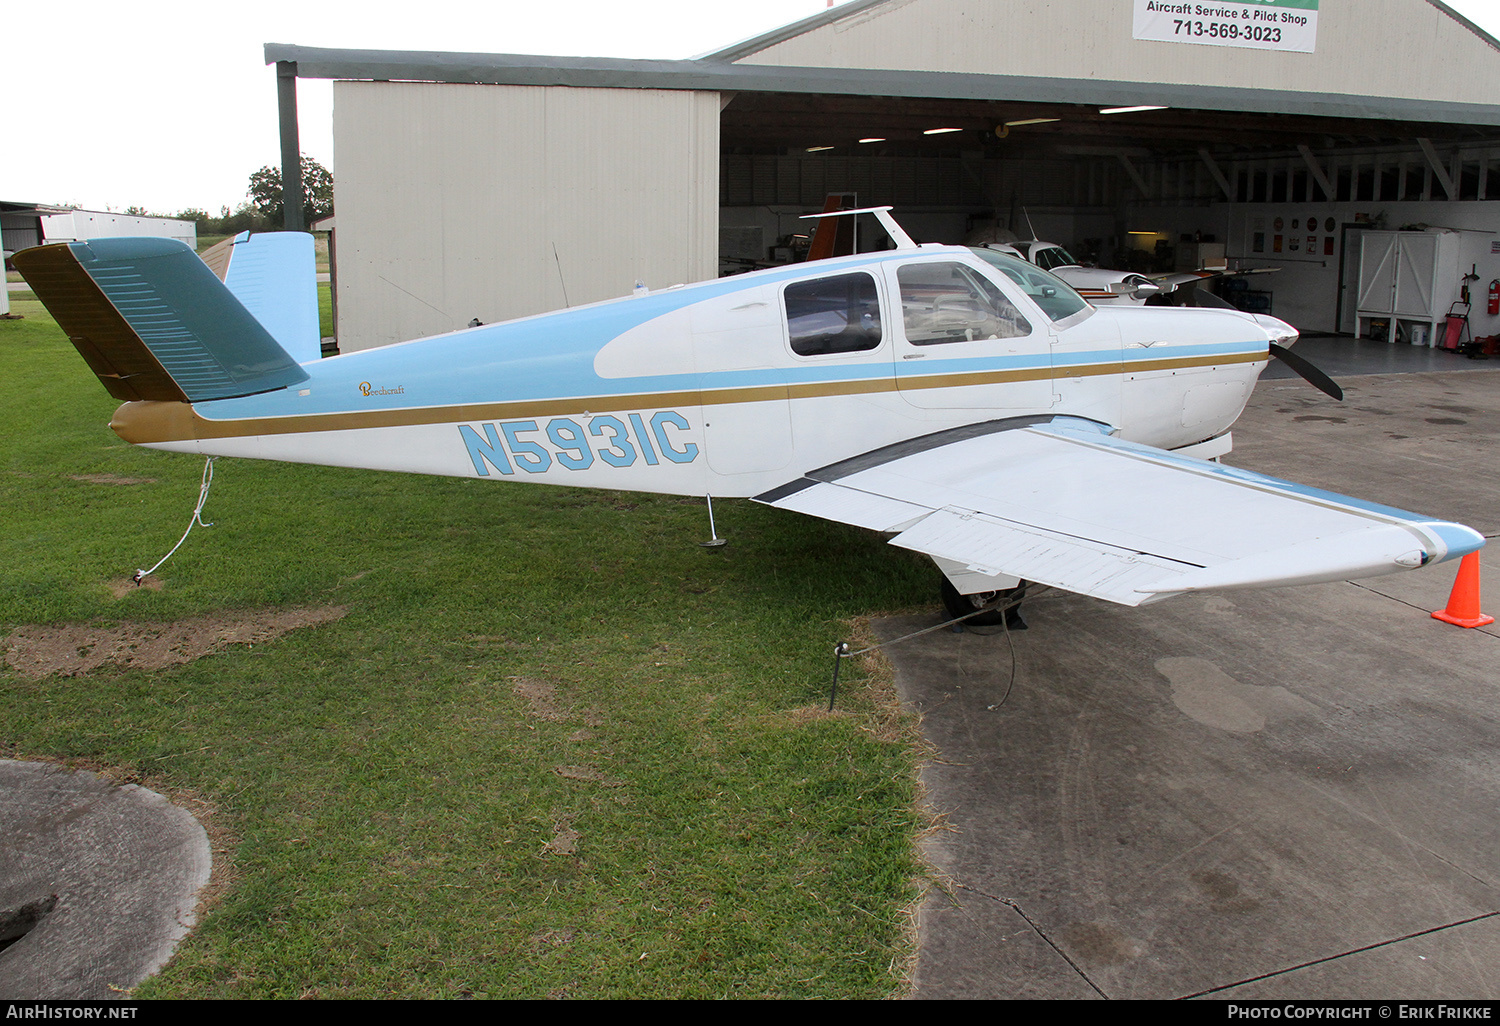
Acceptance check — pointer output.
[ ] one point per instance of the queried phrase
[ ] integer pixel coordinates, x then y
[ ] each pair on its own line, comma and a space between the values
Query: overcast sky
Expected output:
168, 104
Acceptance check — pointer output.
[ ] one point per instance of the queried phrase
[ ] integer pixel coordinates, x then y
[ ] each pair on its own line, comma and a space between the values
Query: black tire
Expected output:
960, 605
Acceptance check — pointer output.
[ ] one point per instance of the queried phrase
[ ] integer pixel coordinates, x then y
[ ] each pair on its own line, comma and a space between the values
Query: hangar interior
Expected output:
569, 179
1137, 191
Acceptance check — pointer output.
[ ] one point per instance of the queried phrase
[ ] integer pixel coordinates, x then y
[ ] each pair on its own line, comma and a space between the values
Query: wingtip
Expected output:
1460, 539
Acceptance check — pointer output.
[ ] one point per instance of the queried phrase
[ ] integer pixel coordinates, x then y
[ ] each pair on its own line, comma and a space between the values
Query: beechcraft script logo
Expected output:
365, 388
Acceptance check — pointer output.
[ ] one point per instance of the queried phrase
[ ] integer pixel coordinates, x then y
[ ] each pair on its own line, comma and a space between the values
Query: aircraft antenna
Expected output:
413, 295
560, 279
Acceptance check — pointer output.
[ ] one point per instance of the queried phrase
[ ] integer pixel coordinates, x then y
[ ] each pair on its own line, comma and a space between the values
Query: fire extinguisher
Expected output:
1494, 306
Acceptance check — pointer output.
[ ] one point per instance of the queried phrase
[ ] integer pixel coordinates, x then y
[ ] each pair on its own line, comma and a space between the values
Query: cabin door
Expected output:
961, 344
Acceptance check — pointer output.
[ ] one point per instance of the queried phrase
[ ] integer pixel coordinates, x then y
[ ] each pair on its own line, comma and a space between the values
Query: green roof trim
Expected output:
718, 76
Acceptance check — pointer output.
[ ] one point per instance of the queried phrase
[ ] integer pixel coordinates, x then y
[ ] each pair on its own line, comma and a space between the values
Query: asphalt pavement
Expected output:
1289, 793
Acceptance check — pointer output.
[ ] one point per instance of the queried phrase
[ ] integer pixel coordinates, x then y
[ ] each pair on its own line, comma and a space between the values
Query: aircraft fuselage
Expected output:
733, 386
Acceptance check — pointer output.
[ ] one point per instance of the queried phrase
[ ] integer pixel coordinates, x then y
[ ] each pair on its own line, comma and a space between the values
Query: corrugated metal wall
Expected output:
20, 231
1397, 48
464, 201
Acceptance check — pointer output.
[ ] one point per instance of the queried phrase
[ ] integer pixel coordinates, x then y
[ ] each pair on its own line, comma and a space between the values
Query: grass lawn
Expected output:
325, 310
554, 747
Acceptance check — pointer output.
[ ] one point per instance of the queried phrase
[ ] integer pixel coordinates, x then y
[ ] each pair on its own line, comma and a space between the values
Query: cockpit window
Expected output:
839, 314
948, 302
1048, 257
1055, 296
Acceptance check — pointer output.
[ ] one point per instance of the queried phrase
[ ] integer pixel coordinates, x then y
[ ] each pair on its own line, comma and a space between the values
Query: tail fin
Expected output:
275, 275
834, 237
153, 322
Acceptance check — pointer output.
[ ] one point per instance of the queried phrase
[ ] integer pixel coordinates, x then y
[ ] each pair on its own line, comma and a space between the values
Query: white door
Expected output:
962, 343
1416, 267
1377, 273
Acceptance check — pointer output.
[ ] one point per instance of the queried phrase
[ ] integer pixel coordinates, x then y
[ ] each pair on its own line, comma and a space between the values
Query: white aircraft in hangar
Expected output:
1104, 286
963, 402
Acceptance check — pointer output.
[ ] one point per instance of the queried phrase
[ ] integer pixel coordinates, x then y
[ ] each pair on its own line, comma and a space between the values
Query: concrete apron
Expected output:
1264, 794
98, 881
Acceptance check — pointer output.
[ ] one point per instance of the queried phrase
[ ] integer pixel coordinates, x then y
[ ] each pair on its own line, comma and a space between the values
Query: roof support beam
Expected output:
291, 147
1106, 151
1316, 169
1135, 176
1438, 170
1213, 169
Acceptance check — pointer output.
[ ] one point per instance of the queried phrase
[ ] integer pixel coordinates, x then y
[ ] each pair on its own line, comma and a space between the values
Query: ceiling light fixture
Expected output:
940, 131
1142, 233
1031, 121
874, 138
1130, 110
818, 149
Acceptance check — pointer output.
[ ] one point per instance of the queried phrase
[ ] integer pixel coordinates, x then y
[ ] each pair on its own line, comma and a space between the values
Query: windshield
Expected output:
1048, 257
1055, 296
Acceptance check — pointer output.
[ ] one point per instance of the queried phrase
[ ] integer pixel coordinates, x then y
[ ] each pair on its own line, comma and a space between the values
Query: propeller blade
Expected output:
1314, 377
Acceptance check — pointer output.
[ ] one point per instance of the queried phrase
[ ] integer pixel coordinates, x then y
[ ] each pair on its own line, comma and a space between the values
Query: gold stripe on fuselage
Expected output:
148, 422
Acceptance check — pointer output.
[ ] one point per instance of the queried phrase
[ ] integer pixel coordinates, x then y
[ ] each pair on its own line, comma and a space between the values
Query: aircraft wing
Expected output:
1060, 502
1177, 279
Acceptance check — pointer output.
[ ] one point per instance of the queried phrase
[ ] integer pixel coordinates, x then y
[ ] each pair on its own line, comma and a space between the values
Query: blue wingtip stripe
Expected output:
1460, 540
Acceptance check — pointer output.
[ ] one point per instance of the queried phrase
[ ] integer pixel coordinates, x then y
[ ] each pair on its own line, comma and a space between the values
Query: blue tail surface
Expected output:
153, 322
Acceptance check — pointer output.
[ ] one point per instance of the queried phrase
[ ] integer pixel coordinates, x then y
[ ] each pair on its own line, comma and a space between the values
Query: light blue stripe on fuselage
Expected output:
555, 350
550, 356
1172, 350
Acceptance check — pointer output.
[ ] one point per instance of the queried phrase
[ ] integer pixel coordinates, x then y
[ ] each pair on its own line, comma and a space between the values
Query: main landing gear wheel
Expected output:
962, 605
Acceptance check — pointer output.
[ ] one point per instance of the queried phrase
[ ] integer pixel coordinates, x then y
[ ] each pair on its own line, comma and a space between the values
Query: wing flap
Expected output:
990, 546
1064, 504
849, 506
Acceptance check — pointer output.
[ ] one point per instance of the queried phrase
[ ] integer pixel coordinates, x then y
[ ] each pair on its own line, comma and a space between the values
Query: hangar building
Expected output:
1285, 132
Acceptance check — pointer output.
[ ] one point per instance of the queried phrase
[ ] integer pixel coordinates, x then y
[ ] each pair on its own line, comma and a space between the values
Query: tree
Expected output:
317, 192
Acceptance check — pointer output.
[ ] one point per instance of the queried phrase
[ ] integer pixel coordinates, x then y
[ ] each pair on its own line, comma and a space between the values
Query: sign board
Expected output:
1258, 24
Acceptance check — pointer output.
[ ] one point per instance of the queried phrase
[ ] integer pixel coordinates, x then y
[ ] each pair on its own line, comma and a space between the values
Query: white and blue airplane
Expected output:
968, 404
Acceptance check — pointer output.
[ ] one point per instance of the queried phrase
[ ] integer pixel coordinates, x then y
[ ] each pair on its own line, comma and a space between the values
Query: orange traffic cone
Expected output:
1463, 603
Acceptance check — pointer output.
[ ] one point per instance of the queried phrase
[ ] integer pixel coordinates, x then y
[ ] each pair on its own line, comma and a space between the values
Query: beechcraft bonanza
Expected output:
1103, 286
967, 404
